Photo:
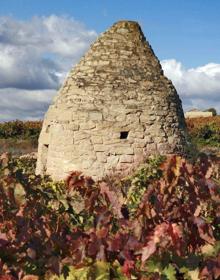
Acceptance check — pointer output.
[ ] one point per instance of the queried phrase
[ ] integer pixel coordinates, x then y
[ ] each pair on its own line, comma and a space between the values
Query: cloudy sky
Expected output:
41, 40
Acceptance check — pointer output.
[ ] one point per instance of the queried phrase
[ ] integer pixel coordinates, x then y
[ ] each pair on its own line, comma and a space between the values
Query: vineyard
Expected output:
160, 223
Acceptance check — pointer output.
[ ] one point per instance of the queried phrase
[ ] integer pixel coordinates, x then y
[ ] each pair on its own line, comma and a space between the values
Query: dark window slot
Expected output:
123, 134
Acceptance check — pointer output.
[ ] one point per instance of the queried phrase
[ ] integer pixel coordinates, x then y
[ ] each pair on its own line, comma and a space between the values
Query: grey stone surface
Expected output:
116, 91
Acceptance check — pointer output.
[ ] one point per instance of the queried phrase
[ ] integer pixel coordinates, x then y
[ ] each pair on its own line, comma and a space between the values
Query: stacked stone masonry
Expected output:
115, 108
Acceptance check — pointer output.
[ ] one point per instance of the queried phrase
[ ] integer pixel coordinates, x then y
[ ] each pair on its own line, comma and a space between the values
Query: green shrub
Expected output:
207, 135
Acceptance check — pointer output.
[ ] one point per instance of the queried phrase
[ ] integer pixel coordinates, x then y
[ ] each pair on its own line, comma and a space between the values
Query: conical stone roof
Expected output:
114, 109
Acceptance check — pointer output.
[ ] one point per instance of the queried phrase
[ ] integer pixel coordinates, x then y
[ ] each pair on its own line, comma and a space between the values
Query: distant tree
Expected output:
213, 110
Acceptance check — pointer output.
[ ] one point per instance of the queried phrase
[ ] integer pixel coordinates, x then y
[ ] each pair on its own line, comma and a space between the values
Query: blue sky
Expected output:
41, 40
188, 30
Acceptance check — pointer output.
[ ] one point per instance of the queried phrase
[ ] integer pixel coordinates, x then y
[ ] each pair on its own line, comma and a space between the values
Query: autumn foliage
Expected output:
160, 223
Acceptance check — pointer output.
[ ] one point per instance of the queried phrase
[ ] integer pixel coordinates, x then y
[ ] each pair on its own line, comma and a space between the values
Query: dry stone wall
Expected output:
114, 109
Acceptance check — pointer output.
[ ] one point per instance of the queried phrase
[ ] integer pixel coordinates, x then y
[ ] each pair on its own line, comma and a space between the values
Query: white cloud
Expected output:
198, 87
67, 36
35, 56
24, 104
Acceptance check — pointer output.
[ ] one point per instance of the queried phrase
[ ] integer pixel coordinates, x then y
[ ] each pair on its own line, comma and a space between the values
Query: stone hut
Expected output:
195, 113
115, 107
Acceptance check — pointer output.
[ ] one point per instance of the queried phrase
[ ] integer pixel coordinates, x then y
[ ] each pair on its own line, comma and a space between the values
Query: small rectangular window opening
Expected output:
123, 134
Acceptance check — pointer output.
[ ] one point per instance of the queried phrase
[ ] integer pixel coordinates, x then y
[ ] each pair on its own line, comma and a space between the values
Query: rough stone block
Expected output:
112, 161
151, 147
101, 157
95, 116
64, 116
126, 158
79, 135
96, 139
140, 143
100, 148
87, 125
45, 139
72, 126
122, 150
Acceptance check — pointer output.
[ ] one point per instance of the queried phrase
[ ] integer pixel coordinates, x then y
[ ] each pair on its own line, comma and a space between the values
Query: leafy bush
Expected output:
83, 229
213, 110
